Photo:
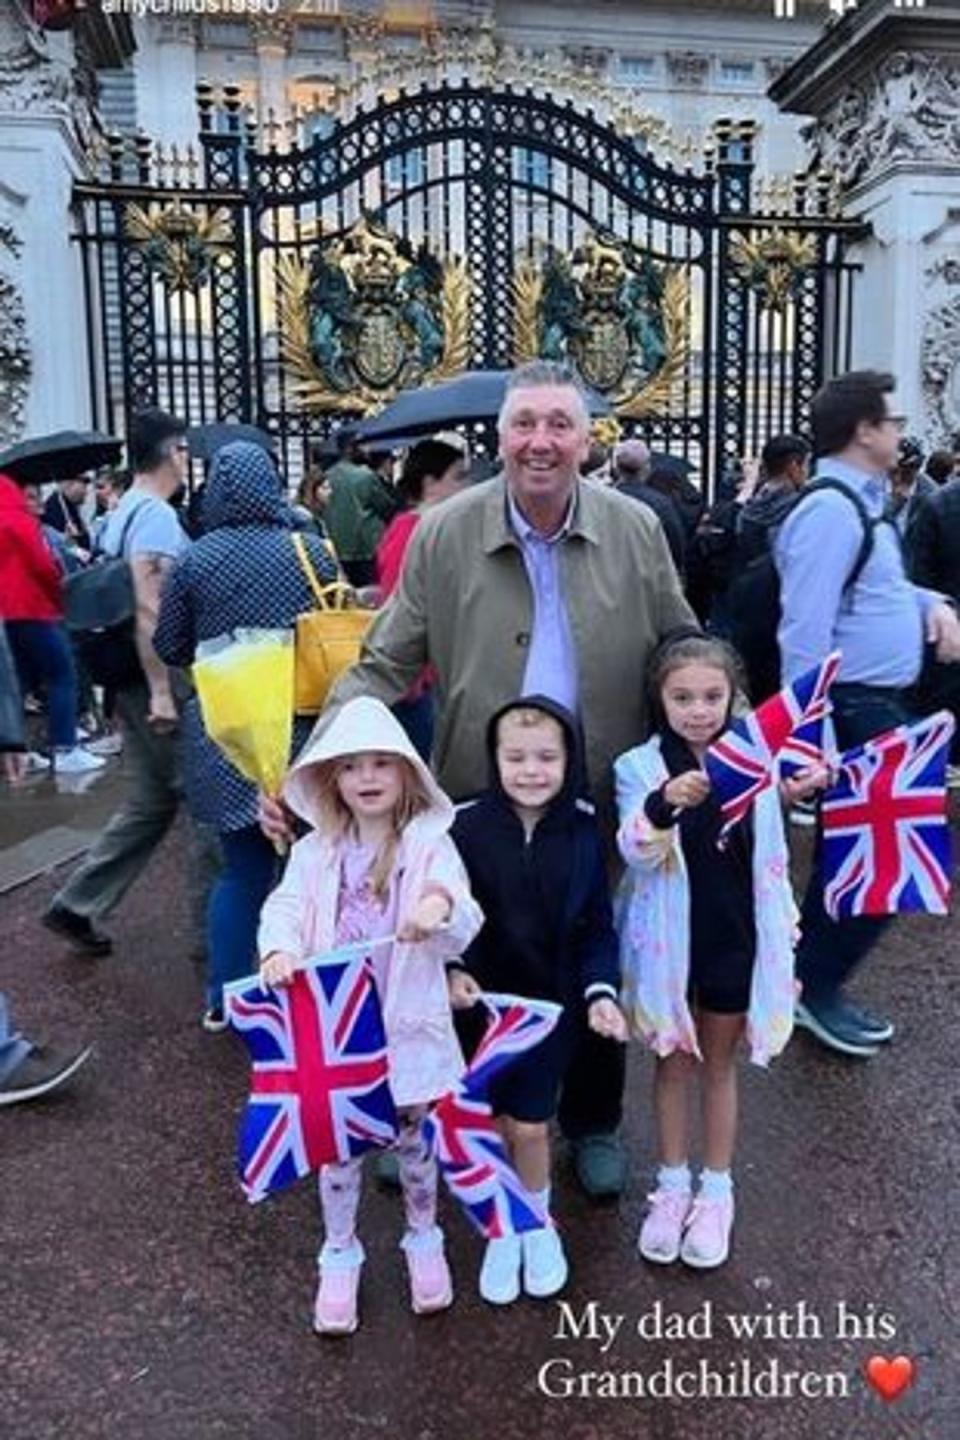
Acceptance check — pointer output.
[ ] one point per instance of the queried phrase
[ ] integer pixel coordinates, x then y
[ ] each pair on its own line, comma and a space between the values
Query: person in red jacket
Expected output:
432, 471
31, 606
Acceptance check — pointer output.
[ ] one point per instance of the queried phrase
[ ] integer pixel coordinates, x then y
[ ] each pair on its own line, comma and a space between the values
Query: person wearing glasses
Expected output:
869, 610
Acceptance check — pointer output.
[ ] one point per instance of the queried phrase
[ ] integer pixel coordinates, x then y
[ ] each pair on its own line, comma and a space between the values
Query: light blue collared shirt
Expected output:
878, 622
551, 668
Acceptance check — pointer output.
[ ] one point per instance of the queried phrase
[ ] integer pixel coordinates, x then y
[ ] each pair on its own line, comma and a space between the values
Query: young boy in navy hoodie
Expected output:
535, 860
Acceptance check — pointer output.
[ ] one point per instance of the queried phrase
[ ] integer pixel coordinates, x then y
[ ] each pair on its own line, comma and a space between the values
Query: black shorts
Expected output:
721, 984
529, 1088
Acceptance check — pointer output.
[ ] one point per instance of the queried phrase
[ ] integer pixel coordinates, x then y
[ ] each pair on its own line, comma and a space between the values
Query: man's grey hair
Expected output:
631, 460
536, 373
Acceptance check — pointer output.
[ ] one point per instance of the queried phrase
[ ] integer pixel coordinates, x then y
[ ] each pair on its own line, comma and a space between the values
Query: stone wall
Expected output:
883, 87
44, 125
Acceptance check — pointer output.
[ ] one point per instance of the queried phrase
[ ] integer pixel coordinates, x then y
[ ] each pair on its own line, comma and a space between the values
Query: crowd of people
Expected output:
506, 791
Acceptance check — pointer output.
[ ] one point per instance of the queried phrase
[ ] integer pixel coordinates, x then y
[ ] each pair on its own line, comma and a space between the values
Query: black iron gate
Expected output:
451, 228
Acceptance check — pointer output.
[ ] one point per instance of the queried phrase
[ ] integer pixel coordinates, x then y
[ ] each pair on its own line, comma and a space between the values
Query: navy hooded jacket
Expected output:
548, 932
243, 573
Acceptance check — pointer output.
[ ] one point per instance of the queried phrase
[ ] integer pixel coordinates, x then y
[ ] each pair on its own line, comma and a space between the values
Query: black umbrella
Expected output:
477, 395
60, 456
206, 440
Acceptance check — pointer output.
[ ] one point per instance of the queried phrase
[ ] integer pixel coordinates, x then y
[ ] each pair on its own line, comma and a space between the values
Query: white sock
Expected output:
674, 1177
716, 1184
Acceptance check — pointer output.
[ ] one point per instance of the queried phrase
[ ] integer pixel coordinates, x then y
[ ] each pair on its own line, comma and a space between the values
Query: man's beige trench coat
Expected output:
465, 604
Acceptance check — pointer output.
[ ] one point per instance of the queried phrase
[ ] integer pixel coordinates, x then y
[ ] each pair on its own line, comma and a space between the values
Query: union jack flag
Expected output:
319, 1090
785, 734
462, 1133
886, 841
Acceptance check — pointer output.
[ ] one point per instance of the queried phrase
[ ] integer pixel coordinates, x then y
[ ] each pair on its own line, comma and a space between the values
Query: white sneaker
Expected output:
76, 761
500, 1271
110, 744
545, 1268
36, 762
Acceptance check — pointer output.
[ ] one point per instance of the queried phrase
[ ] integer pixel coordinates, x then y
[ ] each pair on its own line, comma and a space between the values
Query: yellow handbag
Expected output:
328, 638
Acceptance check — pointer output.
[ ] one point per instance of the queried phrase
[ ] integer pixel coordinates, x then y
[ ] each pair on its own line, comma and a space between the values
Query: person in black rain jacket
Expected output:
535, 859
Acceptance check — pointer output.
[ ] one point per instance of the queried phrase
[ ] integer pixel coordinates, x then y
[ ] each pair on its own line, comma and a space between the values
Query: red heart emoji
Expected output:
890, 1377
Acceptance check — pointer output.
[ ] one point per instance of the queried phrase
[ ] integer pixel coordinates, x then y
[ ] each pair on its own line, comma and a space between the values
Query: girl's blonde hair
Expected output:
337, 818
527, 716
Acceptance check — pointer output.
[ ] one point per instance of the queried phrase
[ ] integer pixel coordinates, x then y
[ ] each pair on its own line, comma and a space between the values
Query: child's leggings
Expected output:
340, 1186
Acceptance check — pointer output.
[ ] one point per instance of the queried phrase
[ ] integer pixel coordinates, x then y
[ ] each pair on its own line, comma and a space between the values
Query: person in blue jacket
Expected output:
533, 852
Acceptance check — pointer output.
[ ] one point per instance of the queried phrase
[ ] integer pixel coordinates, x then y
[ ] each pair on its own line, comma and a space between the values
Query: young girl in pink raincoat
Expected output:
707, 936
379, 863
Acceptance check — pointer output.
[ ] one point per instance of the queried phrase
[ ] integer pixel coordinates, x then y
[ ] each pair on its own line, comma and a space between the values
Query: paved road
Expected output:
143, 1300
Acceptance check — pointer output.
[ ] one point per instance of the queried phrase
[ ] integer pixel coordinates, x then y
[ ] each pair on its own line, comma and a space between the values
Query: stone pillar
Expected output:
883, 87
166, 69
43, 127
272, 36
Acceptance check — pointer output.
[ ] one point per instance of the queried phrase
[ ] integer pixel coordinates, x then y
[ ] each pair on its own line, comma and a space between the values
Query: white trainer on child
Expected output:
500, 1271
335, 1308
545, 1269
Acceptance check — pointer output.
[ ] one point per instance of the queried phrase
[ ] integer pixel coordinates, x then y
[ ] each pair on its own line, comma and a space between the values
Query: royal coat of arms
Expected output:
774, 265
179, 243
366, 315
611, 311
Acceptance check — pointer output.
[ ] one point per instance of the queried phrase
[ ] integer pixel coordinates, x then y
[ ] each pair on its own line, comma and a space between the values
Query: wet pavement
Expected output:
46, 819
144, 1300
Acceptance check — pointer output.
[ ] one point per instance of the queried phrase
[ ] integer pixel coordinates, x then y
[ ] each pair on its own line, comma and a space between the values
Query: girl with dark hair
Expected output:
312, 496
432, 471
707, 937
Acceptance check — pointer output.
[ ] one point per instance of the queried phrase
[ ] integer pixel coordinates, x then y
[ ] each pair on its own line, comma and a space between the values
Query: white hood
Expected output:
362, 724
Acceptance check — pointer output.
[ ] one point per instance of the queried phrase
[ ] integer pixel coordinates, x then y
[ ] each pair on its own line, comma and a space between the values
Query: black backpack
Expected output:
99, 610
711, 556
753, 600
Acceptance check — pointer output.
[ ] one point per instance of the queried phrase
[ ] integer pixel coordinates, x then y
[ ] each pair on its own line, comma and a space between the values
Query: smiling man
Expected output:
532, 582
535, 582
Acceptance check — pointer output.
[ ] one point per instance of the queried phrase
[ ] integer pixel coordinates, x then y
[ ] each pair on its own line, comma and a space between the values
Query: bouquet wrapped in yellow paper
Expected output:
244, 684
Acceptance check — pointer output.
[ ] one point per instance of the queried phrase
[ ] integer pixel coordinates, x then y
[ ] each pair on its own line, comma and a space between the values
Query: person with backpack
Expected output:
753, 598
784, 470
145, 531
711, 556
879, 621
